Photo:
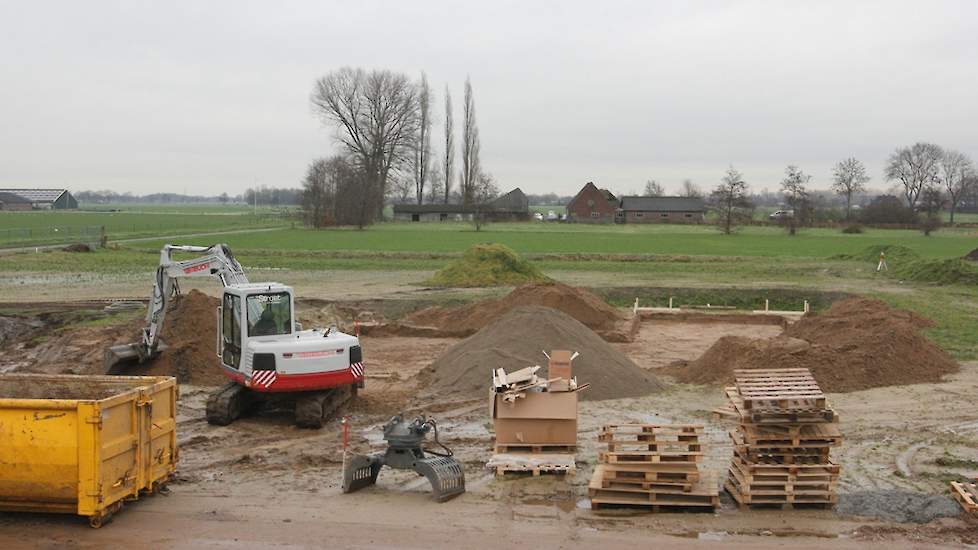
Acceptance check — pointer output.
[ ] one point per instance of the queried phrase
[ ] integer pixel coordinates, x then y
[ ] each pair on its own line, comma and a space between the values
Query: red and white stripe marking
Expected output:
356, 369
263, 378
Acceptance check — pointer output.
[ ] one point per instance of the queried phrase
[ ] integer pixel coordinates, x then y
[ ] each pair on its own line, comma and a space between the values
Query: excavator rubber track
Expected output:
313, 409
227, 404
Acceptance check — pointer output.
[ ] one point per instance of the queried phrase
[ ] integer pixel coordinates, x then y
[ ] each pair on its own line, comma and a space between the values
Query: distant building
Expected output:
44, 199
10, 201
513, 206
661, 210
592, 205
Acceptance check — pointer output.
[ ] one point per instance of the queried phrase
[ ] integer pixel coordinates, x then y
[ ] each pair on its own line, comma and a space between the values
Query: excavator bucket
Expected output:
118, 359
361, 471
445, 475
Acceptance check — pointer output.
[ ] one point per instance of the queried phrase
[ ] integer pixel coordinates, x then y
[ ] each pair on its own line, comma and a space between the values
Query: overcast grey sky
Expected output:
206, 97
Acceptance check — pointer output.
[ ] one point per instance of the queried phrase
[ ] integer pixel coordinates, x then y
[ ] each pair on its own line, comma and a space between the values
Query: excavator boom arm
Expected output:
215, 261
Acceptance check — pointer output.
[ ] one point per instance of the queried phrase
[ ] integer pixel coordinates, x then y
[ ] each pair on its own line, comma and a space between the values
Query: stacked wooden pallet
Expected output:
652, 466
782, 443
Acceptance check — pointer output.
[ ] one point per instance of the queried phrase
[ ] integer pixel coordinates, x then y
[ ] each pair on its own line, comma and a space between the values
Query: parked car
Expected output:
551, 216
538, 216
782, 215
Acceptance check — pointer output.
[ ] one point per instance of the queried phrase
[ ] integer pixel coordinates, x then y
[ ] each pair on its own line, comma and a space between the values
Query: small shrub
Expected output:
853, 229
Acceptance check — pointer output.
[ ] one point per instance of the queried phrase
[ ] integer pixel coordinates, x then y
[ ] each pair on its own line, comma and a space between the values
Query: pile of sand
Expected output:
487, 265
190, 334
578, 303
856, 344
516, 340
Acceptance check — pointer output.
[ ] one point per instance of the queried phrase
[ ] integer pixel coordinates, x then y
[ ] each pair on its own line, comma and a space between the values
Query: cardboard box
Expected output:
539, 418
560, 367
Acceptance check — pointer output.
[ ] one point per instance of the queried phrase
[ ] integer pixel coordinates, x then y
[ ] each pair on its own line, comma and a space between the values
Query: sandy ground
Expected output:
262, 483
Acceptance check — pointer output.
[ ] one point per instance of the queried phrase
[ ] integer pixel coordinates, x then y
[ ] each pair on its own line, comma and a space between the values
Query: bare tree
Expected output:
915, 167
729, 199
449, 164
483, 192
315, 194
435, 192
471, 168
376, 116
931, 202
422, 139
653, 189
796, 195
319, 188
849, 178
690, 190
957, 173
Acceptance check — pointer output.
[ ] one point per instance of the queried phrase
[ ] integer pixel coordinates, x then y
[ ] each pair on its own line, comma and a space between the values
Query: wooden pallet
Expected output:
786, 472
966, 494
759, 484
704, 493
672, 430
779, 389
535, 448
778, 498
779, 416
610, 479
654, 447
662, 471
535, 464
810, 474
645, 457
808, 435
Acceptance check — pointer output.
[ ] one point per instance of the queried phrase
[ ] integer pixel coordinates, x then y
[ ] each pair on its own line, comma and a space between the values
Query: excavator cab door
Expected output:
230, 333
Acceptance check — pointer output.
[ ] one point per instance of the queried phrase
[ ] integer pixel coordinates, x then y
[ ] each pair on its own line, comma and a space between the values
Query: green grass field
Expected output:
132, 221
544, 238
676, 256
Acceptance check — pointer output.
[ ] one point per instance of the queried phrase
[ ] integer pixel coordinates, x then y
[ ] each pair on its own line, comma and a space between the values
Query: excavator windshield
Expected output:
269, 314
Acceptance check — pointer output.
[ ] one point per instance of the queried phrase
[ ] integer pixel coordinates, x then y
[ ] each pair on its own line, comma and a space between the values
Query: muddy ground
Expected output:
262, 482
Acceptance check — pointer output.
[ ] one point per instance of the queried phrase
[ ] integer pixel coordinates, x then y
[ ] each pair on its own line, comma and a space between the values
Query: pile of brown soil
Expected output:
77, 247
516, 340
973, 255
856, 344
190, 335
578, 303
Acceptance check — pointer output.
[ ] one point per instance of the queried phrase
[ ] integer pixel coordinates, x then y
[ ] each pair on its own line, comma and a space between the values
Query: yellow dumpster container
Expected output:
84, 444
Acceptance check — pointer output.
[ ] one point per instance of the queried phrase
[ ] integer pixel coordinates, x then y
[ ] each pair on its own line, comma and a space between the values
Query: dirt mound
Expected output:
78, 247
578, 303
856, 344
487, 265
190, 335
515, 340
973, 255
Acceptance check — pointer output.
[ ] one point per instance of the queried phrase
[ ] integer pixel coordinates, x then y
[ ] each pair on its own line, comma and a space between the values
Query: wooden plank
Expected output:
537, 448
638, 457
966, 494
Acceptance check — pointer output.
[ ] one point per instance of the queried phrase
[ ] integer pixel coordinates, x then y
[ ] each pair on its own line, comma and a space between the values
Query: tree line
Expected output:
383, 126
929, 177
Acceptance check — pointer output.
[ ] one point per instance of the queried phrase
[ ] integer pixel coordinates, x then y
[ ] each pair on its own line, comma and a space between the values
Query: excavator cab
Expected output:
253, 311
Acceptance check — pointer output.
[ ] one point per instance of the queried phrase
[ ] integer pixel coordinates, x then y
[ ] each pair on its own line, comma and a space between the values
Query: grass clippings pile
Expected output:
487, 265
517, 340
580, 304
856, 344
906, 264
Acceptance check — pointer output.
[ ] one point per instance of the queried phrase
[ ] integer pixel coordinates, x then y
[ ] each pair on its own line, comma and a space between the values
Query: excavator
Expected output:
262, 349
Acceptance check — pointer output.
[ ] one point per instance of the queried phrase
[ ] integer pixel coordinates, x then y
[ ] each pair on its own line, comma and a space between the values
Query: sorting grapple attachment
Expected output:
404, 452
